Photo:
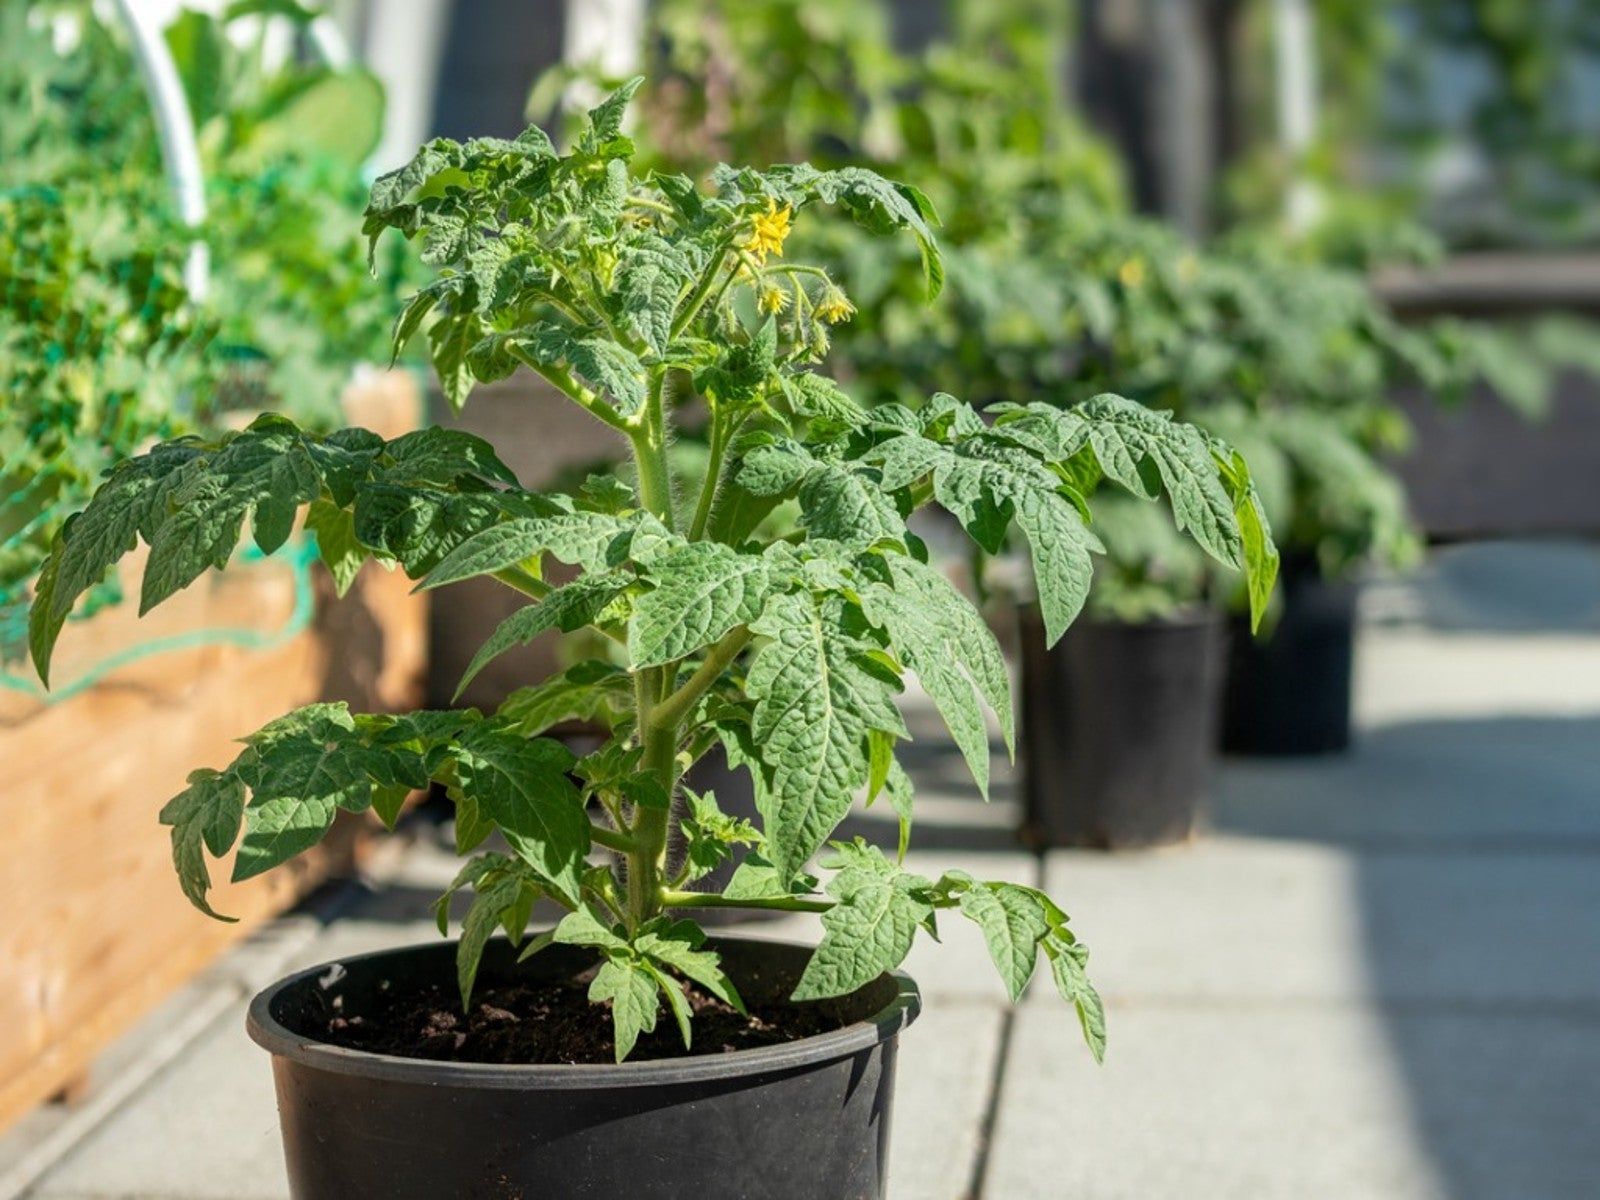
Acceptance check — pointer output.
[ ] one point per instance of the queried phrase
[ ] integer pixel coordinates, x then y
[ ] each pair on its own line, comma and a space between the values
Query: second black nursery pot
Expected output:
1288, 691
1118, 729
798, 1121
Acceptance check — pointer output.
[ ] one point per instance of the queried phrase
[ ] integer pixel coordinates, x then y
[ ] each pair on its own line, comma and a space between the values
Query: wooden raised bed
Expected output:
97, 932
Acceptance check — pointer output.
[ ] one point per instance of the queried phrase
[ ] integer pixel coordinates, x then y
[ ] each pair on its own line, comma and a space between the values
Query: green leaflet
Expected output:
577, 604
522, 786
337, 545
818, 697
1125, 435
988, 482
703, 590
870, 930
590, 691
579, 538
757, 879
1013, 923
204, 816
635, 999
503, 898
1067, 968
838, 501
944, 640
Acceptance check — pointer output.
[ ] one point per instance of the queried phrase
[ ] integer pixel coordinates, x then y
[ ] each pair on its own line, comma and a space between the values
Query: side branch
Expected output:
671, 711
677, 899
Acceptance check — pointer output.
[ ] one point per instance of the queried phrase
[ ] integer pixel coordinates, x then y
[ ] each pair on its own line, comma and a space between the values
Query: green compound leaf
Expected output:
414, 498
819, 695
301, 769
870, 930
678, 945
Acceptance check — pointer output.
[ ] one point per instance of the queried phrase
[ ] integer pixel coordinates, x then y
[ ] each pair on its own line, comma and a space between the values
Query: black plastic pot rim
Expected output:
271, 1035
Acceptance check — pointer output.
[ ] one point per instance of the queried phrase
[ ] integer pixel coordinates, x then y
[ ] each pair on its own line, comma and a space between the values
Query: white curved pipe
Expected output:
329, 42
180, 155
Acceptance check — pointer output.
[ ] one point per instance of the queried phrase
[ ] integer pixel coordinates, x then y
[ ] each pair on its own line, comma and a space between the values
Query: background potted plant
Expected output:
629, 295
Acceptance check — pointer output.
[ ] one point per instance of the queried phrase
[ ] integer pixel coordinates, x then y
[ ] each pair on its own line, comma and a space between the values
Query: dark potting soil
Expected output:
555, 1022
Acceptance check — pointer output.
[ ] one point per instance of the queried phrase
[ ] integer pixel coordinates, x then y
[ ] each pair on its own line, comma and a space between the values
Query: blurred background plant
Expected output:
102, 348
1057, 289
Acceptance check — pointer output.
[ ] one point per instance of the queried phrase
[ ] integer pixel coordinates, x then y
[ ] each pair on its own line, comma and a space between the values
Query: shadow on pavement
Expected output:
1476, 870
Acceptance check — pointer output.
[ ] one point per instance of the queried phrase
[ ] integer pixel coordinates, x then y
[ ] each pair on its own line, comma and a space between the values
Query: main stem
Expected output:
659, 739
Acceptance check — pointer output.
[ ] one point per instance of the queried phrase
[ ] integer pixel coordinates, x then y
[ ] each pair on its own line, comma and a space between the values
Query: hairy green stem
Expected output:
713, 481
612, 839
651, 825
669, 713
519, 580
650, 454
697, 298
590, 401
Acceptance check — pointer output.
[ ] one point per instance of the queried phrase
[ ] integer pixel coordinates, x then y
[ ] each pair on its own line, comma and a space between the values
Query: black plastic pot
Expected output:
804, 1120
1288, 693
1118, 729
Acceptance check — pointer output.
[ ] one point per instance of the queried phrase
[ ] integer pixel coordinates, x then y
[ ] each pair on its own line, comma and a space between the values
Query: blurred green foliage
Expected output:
1056, 290
101, 347
1478, 118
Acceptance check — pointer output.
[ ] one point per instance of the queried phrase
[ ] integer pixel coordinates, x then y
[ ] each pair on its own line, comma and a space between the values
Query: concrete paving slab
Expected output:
205, 1129
52, 1131
1237, 918
1505, 783
1419, 674
1298, 1102
946, 1069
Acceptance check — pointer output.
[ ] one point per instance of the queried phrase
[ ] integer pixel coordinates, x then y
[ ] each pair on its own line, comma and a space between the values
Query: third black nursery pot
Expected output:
1118, 728
1288, 691
797, 1121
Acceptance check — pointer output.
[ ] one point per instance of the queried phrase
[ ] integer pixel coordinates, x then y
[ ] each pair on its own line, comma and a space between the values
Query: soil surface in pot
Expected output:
555, 1022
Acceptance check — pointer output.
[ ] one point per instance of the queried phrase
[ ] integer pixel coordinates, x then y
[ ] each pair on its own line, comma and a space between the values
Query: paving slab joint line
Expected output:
991, 1110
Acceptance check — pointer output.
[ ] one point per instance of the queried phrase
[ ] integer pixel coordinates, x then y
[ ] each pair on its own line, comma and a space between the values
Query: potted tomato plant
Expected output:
621, 1051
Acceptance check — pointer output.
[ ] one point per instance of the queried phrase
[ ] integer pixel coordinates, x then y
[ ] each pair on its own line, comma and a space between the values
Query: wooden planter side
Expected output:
96, 931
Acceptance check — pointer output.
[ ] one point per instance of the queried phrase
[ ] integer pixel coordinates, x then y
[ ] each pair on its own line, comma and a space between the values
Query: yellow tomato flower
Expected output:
768, 231
1131, 273
833, 306
771, 299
